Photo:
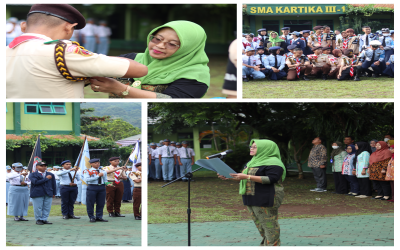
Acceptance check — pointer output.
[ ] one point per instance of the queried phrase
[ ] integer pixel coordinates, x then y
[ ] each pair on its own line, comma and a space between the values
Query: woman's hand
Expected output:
222, 177
368, 170
107, 85
363, 171
353, 172
383, 171
239, 176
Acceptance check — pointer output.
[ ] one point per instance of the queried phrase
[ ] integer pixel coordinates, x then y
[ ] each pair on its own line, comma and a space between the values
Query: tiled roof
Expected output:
20, 137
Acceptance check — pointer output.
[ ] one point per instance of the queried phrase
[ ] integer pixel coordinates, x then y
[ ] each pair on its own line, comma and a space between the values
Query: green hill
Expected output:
127, 111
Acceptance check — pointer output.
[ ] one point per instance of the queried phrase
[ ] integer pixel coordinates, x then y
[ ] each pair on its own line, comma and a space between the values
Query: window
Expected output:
271, 25
298, 25
45, 108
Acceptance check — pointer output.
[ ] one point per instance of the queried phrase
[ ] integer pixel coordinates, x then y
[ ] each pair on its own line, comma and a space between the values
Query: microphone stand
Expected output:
189, 175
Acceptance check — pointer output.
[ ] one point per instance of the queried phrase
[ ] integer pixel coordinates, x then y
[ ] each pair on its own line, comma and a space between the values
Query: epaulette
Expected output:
59, 59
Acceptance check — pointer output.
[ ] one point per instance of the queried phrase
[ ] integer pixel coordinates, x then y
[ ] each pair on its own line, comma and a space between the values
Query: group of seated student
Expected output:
319, 53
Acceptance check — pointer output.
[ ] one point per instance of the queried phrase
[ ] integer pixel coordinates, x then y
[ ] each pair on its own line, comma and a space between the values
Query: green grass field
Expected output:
80, 210
217, 67
370, 88
215, 200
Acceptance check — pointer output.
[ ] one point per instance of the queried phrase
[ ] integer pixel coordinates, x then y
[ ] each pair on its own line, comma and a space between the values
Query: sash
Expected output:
298, 67
116, 175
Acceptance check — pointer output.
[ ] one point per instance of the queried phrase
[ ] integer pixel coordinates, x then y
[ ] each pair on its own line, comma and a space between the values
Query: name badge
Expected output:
331, 160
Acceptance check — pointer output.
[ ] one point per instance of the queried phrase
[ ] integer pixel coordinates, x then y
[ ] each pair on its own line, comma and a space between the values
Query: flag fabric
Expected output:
135, 156
83, 163
36, 156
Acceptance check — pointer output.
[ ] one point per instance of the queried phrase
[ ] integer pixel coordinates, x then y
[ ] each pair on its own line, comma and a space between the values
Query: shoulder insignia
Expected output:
76, 49
59, 58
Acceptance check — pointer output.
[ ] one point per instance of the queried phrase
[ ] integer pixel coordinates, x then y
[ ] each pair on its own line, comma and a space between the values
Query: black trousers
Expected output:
383, 188
95, 194
340, 183
320, 177
346, 73
365, 186
68, 198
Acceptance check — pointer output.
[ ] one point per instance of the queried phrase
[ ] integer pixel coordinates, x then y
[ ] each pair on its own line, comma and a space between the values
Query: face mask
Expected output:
386, 139
335, 147
386, 34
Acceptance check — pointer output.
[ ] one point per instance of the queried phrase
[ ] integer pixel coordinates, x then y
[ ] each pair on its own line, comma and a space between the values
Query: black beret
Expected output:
63, 11
113, 158
94, 160
326, 48
41, 164
285, 28
348, 52
315, 48
318, 27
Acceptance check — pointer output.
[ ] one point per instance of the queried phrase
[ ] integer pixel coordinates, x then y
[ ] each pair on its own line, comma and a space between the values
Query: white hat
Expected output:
375, 43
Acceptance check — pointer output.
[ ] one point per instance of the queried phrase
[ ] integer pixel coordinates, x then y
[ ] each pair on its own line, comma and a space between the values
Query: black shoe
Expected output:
16, 219
245, 79
22, 219
324, 77
73, 217
305, 78
383, 199
111, 214
356, 78
39, 222
92, 220
46, 222
101, 220
65, 217
165, 181
119, 215
138, 218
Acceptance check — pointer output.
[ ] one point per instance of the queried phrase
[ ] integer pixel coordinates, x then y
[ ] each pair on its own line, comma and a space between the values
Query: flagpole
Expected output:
33, 152
80, 157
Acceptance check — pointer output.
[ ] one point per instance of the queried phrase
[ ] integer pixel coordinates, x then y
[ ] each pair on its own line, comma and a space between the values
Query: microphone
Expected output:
220, 154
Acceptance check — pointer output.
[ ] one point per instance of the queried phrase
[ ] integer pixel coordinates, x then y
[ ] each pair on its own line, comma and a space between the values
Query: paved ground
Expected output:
361, 230
116, 232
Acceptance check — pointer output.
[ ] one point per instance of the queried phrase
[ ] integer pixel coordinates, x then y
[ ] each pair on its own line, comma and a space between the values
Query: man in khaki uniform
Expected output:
319, 39
354, 41
320, 62
115, 192
299, 68
43, 63
343, 42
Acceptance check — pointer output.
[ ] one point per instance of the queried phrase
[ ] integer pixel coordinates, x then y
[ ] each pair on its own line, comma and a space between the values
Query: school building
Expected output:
300, 17
59, 120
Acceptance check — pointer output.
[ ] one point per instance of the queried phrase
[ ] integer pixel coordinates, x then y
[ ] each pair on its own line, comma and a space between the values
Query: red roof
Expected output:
376, 5
20, 137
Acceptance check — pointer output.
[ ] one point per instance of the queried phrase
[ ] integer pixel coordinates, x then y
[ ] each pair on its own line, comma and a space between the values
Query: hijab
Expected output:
381, 154
189, 61
362, 146
353, 149
391, 142
274, 40
373, 149
336, 151
267, 155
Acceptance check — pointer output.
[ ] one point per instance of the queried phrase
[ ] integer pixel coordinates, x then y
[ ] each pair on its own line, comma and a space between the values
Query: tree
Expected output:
110, 129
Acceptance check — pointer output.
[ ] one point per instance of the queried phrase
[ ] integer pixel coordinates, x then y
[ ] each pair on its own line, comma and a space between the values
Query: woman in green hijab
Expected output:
274, 40
176, 61
261, 188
